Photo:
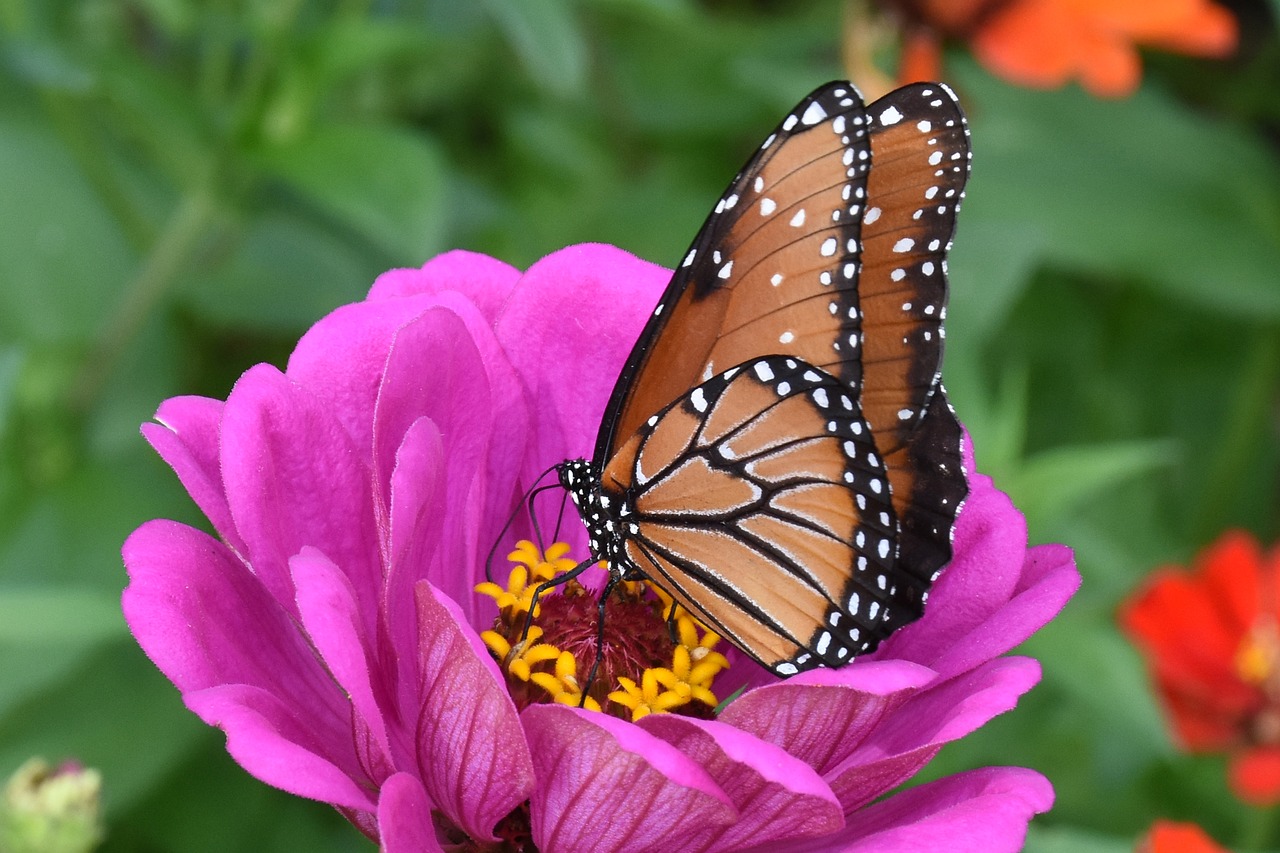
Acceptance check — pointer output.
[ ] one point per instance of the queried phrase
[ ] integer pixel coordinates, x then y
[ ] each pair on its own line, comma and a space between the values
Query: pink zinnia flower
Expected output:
332, 630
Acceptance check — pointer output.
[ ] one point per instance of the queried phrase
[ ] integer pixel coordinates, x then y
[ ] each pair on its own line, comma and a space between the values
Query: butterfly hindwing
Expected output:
758, 501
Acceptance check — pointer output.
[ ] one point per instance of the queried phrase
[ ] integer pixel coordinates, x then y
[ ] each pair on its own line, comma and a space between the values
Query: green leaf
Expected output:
547, 38
1069, 839
284, 273
46, 65
1142, 188
44, 617
384, 183
61, 253
1057, 481
114, 711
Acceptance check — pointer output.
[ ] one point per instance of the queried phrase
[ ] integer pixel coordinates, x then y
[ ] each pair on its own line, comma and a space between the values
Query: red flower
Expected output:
1045, 43
1211, 637
1166, 836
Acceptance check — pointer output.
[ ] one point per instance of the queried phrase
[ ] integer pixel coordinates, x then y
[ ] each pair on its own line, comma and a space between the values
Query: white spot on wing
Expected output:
813, 114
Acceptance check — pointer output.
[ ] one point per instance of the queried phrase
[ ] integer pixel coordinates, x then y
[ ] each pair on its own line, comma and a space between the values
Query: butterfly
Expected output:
778, 453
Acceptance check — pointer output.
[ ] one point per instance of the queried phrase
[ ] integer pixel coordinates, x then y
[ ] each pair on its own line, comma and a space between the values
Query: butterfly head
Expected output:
601, 513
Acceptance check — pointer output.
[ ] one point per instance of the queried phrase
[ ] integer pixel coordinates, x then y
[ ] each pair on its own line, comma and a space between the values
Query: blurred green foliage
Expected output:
186, 186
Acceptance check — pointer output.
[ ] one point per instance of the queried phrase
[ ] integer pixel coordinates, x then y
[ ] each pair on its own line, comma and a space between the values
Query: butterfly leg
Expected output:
558, 580
600, 608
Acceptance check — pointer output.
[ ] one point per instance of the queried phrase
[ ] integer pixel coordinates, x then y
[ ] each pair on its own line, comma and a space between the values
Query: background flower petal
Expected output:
607, 785
777, 795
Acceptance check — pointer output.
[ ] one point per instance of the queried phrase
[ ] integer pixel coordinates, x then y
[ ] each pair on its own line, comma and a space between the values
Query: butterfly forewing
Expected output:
774, 268
920, 151
760, 504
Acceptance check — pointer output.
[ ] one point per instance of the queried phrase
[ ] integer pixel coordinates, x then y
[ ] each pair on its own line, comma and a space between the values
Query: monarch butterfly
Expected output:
778, 453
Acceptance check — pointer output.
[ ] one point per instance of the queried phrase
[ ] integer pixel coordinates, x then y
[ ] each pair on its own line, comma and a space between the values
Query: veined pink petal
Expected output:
471, 752
777, 795
341, 358
475, 400
990, 546
607, 785
294, 479
1048, 580
205, 620
420, 529
822, 716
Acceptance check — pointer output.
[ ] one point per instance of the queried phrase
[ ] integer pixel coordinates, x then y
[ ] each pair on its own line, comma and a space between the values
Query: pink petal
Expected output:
777, 796
990, 546
822, 716
608, 785
568, 328
484, 281
419, 530
404, 817
471, 751
274, 740
447, 366
187, 438
341, 358
913, 732
294, 479
982, 811
1048, 580
330, 616
205, 620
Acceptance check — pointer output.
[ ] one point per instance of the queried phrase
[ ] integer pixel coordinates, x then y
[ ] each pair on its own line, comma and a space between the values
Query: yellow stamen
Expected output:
563, 684
532, 568
660, 689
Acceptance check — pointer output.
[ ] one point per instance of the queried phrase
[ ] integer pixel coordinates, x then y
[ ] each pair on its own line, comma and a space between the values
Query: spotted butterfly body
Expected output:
778, 453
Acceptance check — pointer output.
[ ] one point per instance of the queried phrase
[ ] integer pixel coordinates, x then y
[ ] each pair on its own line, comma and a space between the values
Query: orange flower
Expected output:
1045, 43
1166, 836
1211, 638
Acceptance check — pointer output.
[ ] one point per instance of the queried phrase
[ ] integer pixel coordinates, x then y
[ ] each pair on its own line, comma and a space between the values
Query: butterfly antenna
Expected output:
533, 516
564, 499
511, 519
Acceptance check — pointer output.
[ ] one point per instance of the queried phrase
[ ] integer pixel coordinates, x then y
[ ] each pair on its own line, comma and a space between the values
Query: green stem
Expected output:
172, 249
68, 116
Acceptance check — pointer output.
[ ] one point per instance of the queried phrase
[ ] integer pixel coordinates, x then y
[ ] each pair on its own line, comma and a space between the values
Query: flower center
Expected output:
654, 658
